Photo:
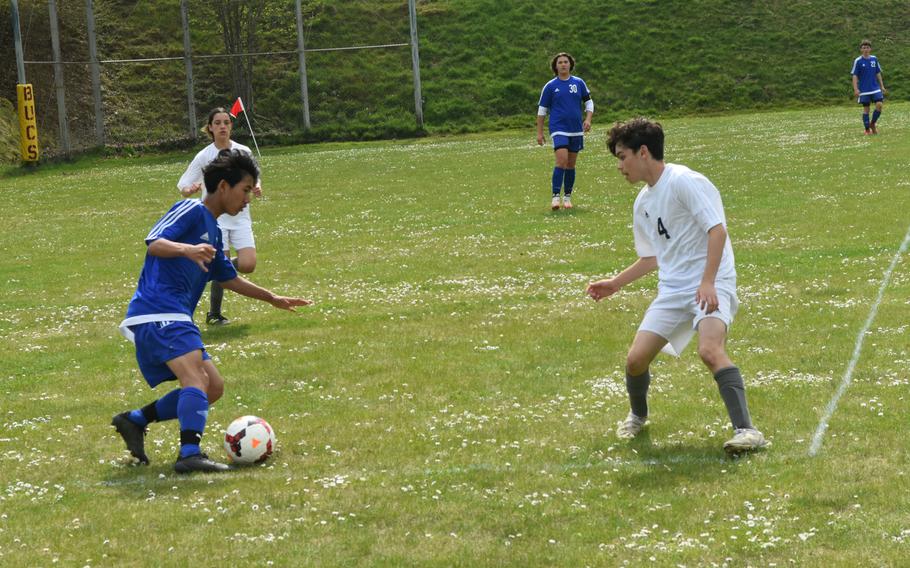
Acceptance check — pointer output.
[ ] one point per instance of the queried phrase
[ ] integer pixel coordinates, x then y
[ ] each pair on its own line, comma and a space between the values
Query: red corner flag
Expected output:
237, 108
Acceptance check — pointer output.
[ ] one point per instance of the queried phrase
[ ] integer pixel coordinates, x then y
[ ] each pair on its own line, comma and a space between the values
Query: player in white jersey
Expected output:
680, 230
237, 230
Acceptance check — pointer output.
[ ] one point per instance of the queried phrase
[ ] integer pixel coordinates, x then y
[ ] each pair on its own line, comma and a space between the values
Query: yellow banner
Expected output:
28, 124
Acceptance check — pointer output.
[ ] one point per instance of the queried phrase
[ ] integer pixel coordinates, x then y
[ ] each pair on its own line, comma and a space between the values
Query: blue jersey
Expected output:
565, 100
169, 286
867, 70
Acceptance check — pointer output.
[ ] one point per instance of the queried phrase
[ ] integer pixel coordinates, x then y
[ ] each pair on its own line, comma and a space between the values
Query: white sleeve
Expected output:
542, 111
193, 173
589, 105
702, 199
643, 246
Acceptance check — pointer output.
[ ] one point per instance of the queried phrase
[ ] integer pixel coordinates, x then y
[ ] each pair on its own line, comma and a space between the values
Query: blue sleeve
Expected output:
177, 222
854, 71
221, 268
546, 96
878, 66
585, 93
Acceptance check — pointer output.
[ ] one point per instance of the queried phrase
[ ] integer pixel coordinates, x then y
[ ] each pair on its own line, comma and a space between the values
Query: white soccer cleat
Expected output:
630, 427
566, 202
554, 205
745, 440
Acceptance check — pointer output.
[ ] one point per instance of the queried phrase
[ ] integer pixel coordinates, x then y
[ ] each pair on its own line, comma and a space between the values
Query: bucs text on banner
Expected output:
28, 123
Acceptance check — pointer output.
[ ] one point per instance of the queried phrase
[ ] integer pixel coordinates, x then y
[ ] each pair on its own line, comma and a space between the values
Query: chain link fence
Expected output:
143, 73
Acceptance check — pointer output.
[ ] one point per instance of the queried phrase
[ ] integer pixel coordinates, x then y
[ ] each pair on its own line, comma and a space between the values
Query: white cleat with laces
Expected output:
745, 440
554, 205
630, 427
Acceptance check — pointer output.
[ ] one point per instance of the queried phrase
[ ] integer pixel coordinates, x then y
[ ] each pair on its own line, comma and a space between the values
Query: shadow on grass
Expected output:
224, 332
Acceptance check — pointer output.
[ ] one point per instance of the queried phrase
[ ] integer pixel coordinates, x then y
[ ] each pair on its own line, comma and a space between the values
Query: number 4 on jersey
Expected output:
661, 230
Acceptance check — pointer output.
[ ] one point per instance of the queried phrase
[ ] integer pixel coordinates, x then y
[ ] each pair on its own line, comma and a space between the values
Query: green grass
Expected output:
482, 63
450, 398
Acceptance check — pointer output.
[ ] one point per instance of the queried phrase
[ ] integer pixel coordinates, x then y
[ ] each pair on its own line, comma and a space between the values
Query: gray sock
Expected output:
733, 391
637, 388
217, 295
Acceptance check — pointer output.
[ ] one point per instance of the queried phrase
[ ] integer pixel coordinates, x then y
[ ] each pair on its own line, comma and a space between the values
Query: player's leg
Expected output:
866, 122
576, 143
216, 297
644, 349
195, 379
875, 115
561, 154
712, 339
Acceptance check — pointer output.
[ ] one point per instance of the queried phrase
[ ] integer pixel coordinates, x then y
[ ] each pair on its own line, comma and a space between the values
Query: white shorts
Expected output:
675, 317
238, 238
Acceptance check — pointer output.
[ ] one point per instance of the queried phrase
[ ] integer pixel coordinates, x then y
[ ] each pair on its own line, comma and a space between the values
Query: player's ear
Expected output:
223, 184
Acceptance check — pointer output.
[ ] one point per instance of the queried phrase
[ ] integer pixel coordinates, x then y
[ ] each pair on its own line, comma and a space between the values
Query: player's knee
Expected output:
636, 365
215, 389
246, 266
711, 355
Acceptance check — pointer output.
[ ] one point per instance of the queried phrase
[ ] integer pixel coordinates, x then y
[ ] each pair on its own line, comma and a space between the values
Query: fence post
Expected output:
301, 57
59, 80
415, 63
20, 59
96, 73
188, 63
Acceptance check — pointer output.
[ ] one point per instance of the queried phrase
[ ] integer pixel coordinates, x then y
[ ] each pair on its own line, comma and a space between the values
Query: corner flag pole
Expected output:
236, 109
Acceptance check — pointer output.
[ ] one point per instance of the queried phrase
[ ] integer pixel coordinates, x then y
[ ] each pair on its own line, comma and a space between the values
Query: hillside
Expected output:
483, 62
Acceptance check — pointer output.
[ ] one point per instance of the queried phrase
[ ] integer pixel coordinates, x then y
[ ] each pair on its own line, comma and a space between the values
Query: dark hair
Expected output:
865, 42
635, 133
208, 121
230, 166
557, 56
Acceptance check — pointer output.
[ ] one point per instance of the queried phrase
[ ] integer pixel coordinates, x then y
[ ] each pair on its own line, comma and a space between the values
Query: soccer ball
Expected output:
249, 439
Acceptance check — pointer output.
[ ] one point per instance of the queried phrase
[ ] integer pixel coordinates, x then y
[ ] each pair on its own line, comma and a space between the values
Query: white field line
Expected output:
857, 349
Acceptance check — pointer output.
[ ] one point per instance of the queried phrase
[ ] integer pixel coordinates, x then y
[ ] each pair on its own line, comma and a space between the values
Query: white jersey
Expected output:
671, 222
193, 174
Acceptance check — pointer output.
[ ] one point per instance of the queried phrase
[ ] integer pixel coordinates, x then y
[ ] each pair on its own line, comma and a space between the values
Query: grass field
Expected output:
450, 399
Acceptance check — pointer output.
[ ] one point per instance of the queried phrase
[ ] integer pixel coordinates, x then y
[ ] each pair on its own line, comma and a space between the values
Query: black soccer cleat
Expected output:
133, 434
216, 319
199, 462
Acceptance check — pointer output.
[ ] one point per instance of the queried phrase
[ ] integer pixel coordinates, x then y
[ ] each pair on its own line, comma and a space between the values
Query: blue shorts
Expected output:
573, 143
868, 99
159, 342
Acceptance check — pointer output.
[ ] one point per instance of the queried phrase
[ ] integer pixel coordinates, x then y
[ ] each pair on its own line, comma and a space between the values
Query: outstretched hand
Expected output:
286, 303
602, 289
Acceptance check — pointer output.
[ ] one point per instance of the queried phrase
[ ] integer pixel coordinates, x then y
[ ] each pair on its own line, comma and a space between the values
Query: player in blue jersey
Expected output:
184, 253
868, 85
563, 97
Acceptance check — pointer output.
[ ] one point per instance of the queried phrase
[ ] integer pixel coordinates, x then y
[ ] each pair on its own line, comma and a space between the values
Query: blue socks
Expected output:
558, 174
190, 406
866, 120
875, 115
165, 408
570, 181
192, 412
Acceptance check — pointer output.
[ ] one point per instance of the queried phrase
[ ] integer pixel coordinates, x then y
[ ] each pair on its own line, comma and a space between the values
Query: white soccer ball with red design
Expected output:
249, 439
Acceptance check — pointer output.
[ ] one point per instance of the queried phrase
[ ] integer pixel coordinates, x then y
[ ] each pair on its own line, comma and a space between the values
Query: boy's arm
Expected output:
201, 254
246, 288
881, 83
855, 86
706, 295
607, 287
540, 138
